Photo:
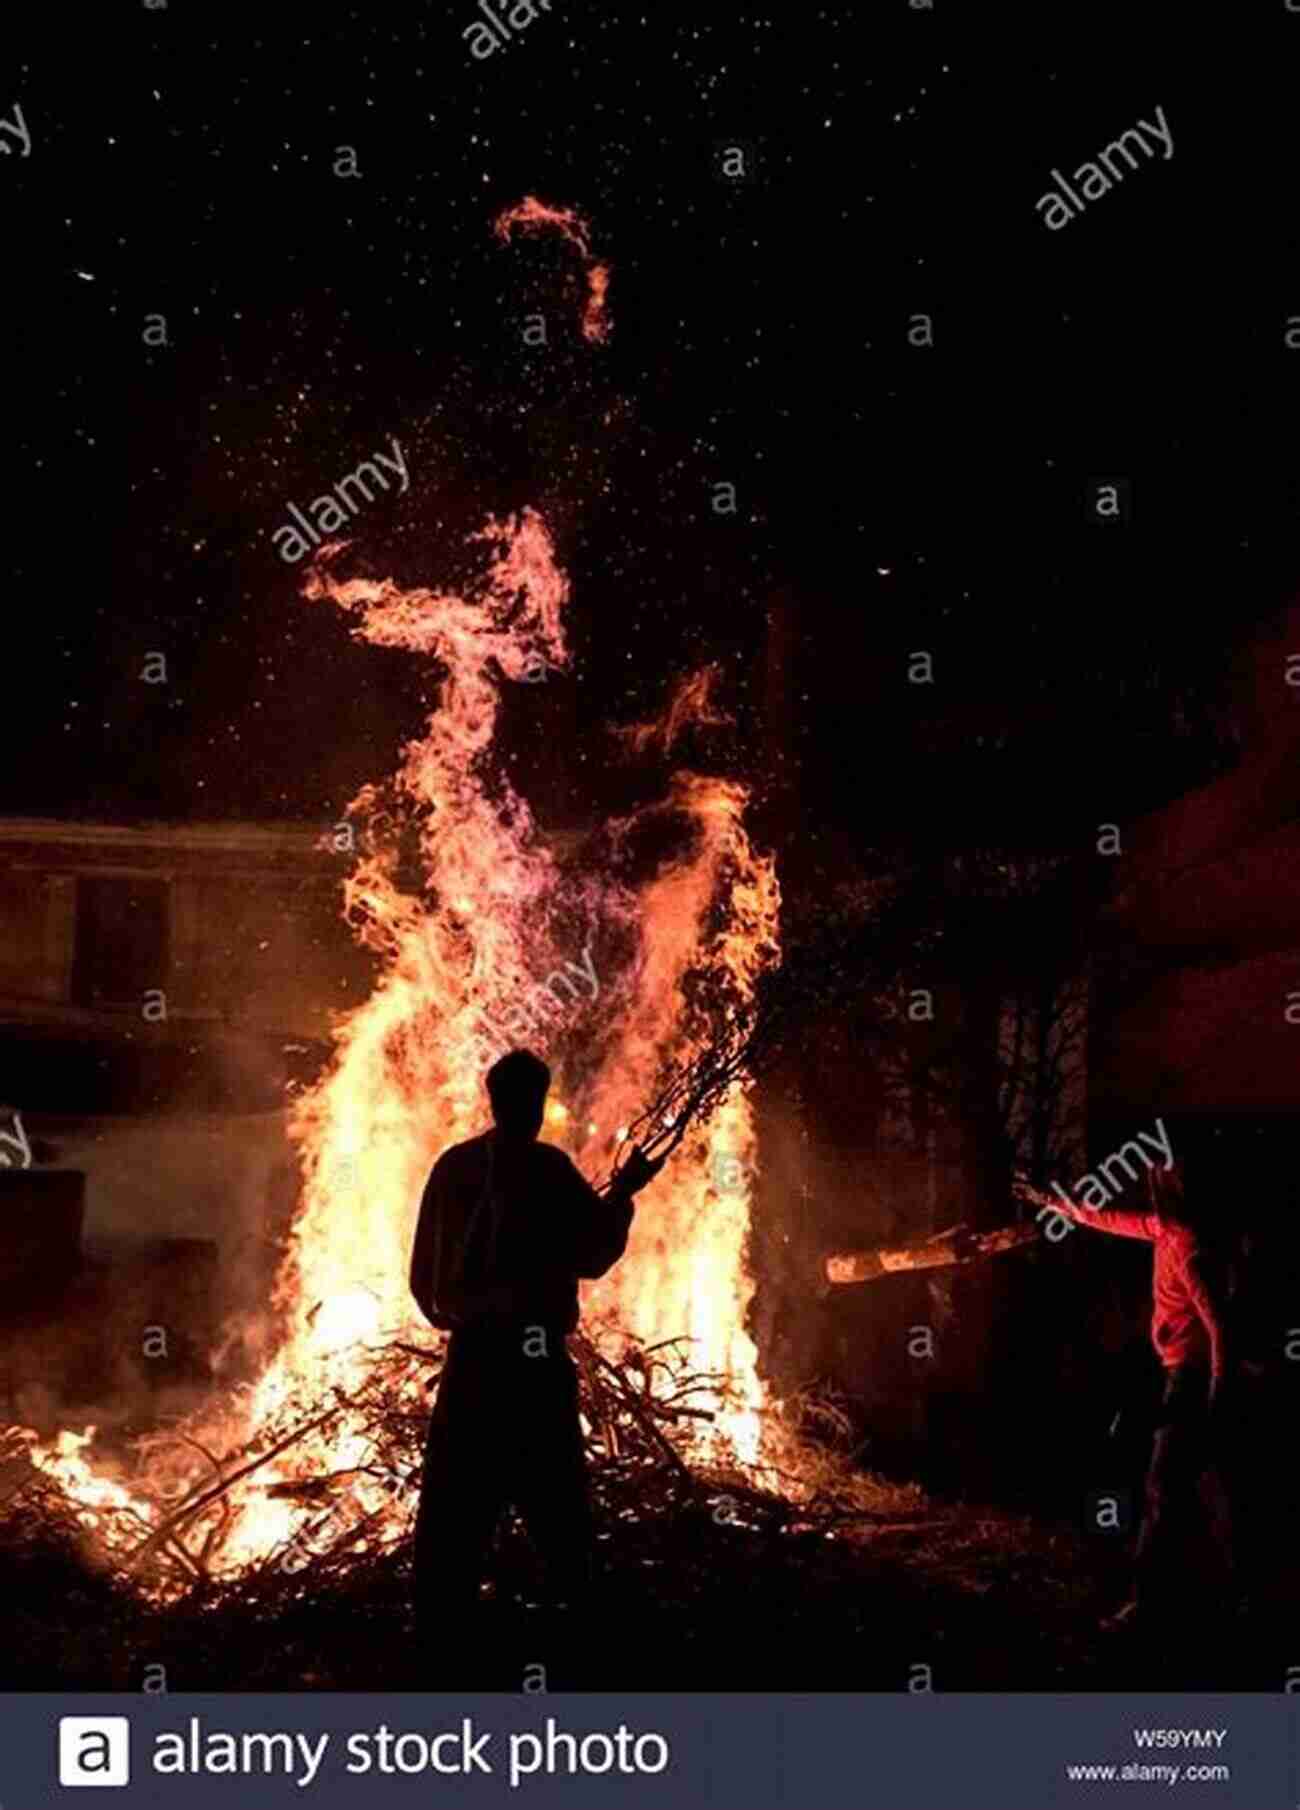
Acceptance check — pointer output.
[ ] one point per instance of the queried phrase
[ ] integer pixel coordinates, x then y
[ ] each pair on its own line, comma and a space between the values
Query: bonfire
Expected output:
315, 1462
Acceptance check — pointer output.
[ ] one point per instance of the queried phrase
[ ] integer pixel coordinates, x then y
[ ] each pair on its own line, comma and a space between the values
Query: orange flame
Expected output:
690, 706
532, 214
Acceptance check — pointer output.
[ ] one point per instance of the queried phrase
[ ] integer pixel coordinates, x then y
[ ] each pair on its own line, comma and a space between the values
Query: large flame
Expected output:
471, 936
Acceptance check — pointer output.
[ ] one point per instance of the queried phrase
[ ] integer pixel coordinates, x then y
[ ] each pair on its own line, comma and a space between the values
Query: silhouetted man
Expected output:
1190, 1331
507, 1227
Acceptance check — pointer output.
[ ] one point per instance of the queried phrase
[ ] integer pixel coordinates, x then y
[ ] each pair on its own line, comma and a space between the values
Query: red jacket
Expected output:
1189, 1322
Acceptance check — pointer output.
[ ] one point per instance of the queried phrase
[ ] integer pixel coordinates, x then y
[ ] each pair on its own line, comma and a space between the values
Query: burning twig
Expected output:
840, 958
200, 1498
642, 1408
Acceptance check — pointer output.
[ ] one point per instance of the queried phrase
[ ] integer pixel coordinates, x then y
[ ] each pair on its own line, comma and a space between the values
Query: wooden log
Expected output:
945, 1251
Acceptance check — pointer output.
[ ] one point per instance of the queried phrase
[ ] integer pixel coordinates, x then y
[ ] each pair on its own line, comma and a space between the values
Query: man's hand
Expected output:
1024, 1190
637, 1171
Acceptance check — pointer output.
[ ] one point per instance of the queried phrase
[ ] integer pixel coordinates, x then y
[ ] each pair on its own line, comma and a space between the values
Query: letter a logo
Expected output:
94, 1750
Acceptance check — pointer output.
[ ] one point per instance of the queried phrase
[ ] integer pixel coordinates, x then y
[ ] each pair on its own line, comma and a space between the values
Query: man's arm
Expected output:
1124, 1224
602, 1222
600, 1225
1209, 1297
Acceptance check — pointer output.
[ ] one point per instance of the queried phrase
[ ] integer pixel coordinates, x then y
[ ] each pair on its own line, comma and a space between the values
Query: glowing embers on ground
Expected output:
494, 908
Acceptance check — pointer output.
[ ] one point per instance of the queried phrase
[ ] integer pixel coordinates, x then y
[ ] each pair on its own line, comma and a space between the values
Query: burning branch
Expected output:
811, 976
200, 1499
955, 1247
693, 1092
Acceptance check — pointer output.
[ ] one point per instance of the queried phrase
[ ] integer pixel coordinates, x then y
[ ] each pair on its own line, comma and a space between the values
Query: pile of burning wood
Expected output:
647, 1444
338, 1476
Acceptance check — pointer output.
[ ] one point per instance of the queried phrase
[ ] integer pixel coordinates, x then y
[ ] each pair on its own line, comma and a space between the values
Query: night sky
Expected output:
891, 497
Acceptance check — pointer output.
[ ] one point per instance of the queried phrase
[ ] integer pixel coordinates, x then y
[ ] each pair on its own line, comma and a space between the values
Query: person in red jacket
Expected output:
1190, 1329
506, 1229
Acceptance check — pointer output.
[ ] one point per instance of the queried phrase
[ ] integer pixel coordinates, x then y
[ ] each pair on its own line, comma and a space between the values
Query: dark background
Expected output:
890, 499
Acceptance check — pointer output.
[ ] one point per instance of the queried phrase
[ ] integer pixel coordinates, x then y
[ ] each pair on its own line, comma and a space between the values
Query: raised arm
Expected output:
600, 1225
1123, 1223
602, 1222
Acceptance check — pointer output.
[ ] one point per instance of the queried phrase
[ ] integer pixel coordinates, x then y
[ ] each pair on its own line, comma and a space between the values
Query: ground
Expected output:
983, 1600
